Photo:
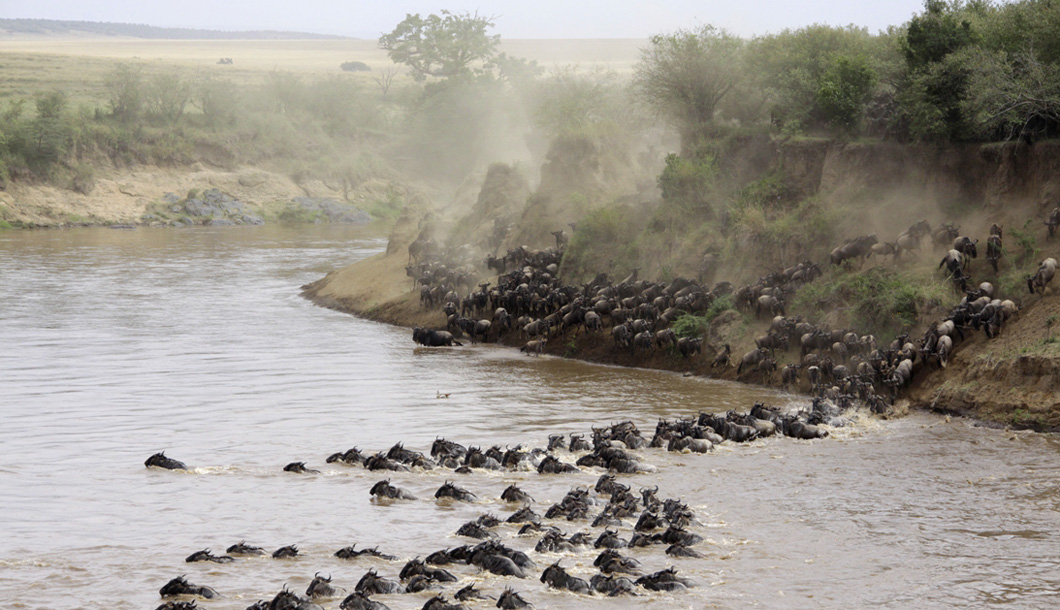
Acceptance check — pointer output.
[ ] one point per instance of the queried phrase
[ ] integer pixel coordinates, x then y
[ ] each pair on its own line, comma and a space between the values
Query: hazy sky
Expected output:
514, 18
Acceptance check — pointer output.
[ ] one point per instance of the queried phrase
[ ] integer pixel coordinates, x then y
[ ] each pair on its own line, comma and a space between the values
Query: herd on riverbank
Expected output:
531, 306
609, 506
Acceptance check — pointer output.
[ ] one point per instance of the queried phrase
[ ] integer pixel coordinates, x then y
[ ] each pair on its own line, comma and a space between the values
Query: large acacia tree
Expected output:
683, 76
443, 45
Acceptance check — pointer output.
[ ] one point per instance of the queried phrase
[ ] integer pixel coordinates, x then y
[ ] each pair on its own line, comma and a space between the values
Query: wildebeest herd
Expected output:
530, 301
609, 515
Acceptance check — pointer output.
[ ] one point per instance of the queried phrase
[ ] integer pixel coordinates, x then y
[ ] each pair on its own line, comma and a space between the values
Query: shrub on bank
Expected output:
882, 301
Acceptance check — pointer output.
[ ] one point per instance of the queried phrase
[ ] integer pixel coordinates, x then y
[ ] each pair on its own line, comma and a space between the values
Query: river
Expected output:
118, 344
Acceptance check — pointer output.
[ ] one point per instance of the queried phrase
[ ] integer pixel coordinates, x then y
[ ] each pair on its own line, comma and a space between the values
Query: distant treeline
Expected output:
138, 30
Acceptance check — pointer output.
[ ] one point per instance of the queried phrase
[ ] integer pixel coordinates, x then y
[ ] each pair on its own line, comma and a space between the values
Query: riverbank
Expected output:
196, 194
1006, 381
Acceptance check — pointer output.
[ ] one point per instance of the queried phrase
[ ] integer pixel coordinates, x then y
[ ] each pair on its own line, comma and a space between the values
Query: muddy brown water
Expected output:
118, 344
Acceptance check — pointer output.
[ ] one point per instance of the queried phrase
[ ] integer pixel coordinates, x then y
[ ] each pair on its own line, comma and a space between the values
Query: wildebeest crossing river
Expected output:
120, 344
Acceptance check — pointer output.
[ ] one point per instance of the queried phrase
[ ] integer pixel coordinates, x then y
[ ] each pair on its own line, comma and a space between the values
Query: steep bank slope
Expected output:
1012, 380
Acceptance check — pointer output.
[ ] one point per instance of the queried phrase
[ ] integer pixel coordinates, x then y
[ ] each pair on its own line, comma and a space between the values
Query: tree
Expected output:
385, 79
844, 90
49, 134
800, 71
168, 95
441, 46
683, 76
932, 36
938, 76
125, 90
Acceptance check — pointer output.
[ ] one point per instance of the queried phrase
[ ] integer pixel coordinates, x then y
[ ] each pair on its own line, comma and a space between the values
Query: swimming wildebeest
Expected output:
557, 578
161, 461
285, 552
383, 489
242, 548
373, 584
300, 468
206, 555
512, 493
360, 601
433, 338
448, 490
499, 559
320, 587
468, 593
664, 580
438, 602
510, 600
289, 600
179, 586
351, 552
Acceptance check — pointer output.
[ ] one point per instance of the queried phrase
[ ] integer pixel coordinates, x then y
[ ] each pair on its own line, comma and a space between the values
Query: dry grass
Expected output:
78, 65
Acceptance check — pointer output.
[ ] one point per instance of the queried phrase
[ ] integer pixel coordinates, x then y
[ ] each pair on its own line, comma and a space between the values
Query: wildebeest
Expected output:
557, 578
752, 358
954, 263
966, 246
993, 250
360, 601
285, 552
723, 357
468, 593
1053, 221
383, 489
1042, 277
689, 346
448, 490
351, 552
289, 600
498, 559
510, 600
664, 580
433, 338
909, 239
191, 605
859, 247
769, 304
944, 234
534, 348
373, 584
206, 555
885, 248
796, 428
300, 468
320, 587
242, 548
612, 586
179, 586
161, 461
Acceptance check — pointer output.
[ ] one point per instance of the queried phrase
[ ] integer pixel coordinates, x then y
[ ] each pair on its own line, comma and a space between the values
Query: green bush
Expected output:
880, 300
354, 66
689, 325
844, 90
686, 181
603, 242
